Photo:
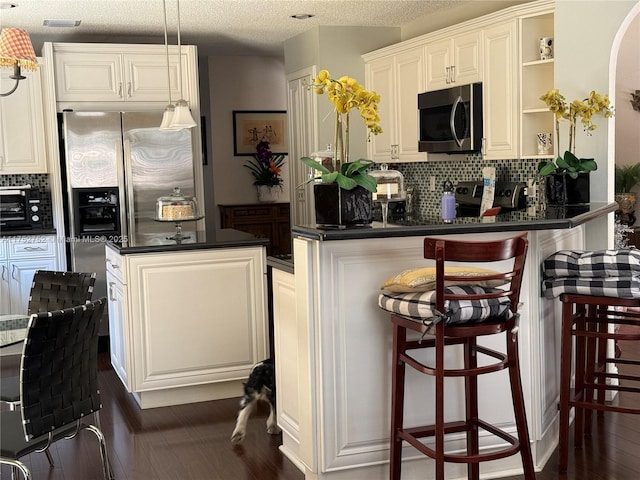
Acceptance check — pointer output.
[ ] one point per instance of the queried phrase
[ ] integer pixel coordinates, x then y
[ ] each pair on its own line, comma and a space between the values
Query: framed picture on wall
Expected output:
251, 127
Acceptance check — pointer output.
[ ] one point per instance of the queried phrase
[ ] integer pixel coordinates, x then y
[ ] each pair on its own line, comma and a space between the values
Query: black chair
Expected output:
458, 311
50, 291
59, 385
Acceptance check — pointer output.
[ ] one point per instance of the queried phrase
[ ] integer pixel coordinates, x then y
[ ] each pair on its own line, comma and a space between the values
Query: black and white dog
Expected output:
260, 386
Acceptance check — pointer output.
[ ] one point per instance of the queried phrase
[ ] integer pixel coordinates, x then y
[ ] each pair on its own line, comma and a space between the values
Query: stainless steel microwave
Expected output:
451, 120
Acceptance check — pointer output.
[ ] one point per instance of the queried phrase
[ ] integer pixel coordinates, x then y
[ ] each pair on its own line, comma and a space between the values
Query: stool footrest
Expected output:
413, 436
461, 372
603, 407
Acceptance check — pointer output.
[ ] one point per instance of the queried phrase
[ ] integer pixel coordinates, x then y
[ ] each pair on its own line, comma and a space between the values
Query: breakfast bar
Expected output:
333, 344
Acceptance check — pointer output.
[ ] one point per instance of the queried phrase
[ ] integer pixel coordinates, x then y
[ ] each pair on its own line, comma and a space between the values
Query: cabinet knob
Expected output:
129, 89
4, 273
120, 90
448, 75
112, 298
34, 249
453, 74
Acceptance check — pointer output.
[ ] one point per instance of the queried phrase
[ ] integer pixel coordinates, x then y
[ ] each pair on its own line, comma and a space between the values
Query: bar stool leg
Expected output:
602, 342
591, 369
439, 433
583, 348
397, 400
565, 379
518, 405
471, 388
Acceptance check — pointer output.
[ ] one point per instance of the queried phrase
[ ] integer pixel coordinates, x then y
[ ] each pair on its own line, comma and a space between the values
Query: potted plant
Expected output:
342, 191
266, 169
567, 179
627, 177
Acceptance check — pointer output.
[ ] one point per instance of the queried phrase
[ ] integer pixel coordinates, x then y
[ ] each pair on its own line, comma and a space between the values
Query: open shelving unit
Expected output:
536, 78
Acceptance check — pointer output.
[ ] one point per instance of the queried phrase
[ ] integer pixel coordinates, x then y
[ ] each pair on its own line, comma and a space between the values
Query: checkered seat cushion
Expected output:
599, 263
602, 273
420, 306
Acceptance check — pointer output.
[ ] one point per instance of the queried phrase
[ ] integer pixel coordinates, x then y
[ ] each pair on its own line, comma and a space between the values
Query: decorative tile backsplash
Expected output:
36, 180
456, 169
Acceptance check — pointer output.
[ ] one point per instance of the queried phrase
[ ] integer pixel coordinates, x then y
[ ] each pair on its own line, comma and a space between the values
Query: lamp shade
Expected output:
182, 117
167, 117
16, 48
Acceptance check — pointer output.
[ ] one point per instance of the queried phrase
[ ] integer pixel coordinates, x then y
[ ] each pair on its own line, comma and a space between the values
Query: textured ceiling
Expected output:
218, 27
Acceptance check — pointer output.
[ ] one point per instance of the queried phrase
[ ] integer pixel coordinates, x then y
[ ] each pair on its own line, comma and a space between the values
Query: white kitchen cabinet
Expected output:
288, 343
22, 136
500, 92
454, 61
20, 257
119, 335
186, 326
536, 78
119, 73
398, 78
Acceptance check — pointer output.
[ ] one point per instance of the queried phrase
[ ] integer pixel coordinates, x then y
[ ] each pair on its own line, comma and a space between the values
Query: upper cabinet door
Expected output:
397, 78
89, 77
146, 78
500, 92
455, 61
380, 78
22, 139
439, 62
467, 58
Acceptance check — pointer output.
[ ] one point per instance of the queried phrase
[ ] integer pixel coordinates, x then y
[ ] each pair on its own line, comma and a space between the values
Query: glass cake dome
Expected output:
177, 207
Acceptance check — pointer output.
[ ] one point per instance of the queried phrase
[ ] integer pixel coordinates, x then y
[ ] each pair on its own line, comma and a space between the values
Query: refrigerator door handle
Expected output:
128, 204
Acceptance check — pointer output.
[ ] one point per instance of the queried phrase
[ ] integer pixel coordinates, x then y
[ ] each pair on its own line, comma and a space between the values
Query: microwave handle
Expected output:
452, 124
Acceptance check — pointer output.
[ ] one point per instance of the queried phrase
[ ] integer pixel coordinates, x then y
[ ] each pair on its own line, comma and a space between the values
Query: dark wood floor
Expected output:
192, 442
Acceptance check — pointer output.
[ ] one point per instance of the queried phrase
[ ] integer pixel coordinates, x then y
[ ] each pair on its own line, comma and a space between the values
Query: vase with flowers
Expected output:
266, 168
567, 178
343, 188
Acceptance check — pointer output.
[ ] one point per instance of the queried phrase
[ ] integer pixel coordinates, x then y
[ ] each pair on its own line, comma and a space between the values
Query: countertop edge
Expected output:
453, 228
27, 232
230, 238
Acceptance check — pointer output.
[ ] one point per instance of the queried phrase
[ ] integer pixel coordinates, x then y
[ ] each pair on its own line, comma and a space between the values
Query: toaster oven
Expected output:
20, 208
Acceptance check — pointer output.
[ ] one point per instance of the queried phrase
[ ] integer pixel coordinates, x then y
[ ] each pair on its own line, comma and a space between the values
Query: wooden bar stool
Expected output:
593, 321
462, 307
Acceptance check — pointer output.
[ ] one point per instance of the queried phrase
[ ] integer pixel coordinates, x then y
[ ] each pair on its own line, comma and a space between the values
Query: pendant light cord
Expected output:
166, 47
179, 51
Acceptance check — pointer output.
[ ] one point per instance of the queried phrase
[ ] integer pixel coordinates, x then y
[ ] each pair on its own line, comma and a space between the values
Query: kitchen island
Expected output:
187, 319
333, 345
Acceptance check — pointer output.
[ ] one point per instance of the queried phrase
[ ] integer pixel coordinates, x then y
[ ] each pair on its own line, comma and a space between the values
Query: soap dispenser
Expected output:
448, 202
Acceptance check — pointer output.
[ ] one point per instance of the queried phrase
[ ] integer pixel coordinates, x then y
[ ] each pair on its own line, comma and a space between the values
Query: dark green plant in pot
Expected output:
569, 164
351, 174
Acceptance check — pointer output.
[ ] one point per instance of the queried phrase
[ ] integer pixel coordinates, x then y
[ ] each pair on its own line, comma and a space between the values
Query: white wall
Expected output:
627, 81
584, 36
240, 83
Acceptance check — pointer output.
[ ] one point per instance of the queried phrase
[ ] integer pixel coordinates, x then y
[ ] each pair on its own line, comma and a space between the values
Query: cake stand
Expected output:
179, 236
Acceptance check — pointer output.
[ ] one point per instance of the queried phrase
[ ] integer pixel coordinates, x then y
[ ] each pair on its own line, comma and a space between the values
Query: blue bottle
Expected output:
448, 203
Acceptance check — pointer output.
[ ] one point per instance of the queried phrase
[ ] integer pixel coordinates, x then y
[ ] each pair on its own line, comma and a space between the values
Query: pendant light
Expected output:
182, 117
167, 116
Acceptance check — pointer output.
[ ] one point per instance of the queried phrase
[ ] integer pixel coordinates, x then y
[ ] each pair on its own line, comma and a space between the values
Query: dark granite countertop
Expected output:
27, 231
554, 217
221, 238
281, 262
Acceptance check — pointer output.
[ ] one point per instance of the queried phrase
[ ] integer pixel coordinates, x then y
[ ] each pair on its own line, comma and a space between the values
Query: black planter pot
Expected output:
339, 208
561, 189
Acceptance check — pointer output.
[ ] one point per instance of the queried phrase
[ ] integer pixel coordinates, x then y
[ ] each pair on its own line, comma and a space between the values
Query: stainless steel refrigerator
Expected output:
117, 164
